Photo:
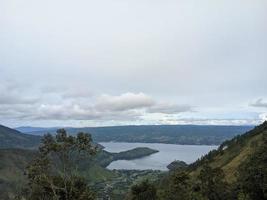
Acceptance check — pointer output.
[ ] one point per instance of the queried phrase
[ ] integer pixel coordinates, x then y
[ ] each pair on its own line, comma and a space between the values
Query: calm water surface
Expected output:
158, 161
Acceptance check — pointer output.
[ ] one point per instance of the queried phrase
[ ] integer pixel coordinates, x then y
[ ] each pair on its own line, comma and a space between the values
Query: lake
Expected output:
158, 161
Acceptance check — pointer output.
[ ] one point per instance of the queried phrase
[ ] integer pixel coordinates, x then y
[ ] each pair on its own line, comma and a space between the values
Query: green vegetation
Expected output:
118, 186
54, 173
252, 174
14, 162
10, 138
236, 171
61, 169
176, 165
144, 190
134, 153
12, 168
232, 153
104, 158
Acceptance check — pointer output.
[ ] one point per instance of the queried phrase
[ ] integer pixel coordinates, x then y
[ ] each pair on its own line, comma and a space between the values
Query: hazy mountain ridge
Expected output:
173, 134
32, 129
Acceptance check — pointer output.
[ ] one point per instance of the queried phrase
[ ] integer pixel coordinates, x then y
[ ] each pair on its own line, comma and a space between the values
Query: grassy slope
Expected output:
230, 163
232, 153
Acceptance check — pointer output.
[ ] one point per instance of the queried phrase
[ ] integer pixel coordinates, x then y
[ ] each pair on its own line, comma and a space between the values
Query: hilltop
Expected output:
10, 138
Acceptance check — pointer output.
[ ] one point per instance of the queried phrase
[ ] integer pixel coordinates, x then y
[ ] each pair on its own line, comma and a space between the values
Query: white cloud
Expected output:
123, 102
178, 53
201, 121
127, 106
263, 117
259, 103
168, 108
76, 93
12, 94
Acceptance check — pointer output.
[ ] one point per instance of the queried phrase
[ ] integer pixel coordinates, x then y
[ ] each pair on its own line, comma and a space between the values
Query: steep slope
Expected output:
233, 153
12, 166
236, 170
10, 138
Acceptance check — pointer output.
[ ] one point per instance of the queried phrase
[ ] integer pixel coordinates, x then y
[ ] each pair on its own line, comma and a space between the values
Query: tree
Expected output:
212, 184
252, 177
179, 186
54, 174
143, 191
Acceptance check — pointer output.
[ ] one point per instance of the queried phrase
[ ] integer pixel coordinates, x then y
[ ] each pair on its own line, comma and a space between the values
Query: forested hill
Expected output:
10, 138
232, 153
14, 162
175, 134
237, 170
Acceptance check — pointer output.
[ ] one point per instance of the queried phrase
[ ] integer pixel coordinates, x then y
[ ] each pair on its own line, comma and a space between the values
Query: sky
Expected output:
123, 62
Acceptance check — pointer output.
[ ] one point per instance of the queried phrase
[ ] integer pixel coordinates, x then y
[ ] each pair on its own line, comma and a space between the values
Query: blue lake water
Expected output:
158, 161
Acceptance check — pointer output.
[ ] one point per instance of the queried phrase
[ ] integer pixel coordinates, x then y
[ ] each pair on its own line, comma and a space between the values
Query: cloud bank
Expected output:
132, 62
123, 107
259, 103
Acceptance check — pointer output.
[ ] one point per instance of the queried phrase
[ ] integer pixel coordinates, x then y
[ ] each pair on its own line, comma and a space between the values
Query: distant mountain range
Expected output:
37, 130
175, 134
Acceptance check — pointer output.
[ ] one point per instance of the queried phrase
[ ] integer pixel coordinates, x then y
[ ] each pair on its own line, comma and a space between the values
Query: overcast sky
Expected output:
118, 62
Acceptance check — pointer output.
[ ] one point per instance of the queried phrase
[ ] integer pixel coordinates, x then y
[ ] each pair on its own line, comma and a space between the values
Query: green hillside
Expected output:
232, 153
237, 170
10, 138
12, 167
13, 163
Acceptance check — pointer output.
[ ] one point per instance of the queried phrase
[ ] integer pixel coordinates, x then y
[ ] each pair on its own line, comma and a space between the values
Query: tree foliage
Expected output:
253, 174
212, 184
179, 186
54, 174
143, 191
